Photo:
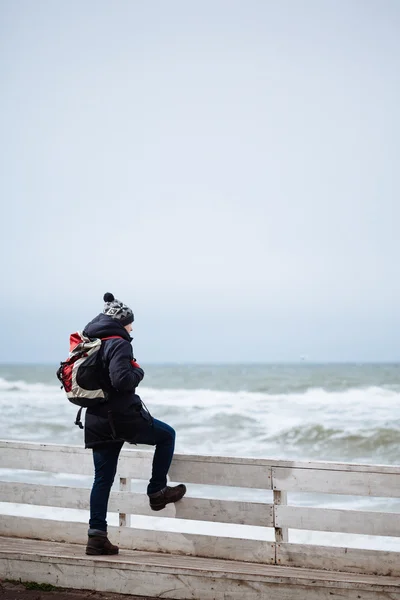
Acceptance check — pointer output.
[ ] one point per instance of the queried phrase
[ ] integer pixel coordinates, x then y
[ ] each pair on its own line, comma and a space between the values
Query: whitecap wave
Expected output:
357, 423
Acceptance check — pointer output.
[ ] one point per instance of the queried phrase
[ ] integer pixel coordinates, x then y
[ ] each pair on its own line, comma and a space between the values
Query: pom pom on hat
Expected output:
108, 297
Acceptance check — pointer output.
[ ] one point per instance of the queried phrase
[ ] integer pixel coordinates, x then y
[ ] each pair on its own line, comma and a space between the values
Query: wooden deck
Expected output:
182, 577
203, 566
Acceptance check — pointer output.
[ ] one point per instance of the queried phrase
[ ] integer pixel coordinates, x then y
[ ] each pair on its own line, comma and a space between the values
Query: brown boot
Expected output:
100, 544
159, 500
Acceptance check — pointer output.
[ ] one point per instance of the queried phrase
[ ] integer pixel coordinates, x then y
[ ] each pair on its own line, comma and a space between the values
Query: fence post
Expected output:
124, 486
281, 533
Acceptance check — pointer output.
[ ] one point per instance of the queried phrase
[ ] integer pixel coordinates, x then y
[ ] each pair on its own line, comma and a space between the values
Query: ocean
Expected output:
334, 412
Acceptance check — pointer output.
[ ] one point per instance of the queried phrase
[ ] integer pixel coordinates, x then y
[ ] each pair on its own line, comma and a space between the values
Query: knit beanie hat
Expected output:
117, 310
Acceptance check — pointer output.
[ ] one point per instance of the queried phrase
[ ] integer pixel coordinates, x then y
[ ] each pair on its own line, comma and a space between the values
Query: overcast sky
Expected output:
229, 169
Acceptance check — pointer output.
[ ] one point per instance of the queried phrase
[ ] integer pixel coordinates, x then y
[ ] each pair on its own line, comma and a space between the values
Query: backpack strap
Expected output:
111, 337
78, 418
112, 426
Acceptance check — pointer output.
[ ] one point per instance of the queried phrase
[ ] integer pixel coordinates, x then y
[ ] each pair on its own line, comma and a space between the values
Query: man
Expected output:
122, 418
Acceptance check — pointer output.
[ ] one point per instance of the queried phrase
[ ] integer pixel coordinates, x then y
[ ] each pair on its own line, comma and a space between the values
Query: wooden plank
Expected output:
208, 579
348, 560
45, 495
42, 459
272, 462
151, 583
225, 511
230, 474
335, 482
229, 471
136, 465
142, 539
208, 470
124, 516
61, 459
197, 509
281, 532
25, 547
335, 520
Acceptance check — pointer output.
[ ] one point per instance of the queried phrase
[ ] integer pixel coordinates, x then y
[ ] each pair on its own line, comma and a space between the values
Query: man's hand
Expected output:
139, 373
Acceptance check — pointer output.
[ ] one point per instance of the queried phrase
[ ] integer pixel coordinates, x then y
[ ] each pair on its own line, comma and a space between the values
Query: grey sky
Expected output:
228, 169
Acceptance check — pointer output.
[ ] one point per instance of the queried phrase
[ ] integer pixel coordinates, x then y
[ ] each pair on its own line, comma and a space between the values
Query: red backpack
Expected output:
82, 374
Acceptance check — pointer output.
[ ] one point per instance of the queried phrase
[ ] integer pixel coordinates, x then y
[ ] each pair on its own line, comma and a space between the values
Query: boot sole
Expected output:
161, 506
158, 507
94, 552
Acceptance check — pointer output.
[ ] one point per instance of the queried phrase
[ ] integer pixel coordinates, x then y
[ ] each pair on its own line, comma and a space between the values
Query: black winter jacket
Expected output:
122, 417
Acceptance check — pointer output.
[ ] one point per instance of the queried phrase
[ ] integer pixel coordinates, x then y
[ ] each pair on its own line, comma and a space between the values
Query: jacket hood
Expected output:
104, 326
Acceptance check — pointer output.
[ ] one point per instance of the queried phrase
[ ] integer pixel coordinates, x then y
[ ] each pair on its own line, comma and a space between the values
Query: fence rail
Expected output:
278, 476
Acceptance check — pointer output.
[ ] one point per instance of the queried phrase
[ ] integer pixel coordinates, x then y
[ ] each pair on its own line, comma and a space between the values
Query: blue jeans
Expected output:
105, 460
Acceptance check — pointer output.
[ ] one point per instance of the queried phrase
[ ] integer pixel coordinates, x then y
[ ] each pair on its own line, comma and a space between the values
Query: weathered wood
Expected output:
43, 458
225, 511
228, 473
65, 459
124, 517
25, 547
281, 476
147, 455
198, 509
183, 577
274, 462
331, 558
336, 482
342, 521
142, 539
281, 532
136, 465
47, 495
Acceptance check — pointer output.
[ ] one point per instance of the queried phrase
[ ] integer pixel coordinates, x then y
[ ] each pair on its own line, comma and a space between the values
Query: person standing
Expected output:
122, 418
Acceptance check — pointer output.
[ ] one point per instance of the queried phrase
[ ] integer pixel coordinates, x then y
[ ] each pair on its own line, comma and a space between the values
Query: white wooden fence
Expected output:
279, 476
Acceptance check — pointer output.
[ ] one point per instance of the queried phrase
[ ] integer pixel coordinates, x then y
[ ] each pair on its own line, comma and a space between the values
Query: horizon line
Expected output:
357, 362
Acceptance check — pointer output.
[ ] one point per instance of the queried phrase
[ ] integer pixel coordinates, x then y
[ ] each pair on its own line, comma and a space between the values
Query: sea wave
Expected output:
369, 397
355, 424
23, 386
366, 444
351, 424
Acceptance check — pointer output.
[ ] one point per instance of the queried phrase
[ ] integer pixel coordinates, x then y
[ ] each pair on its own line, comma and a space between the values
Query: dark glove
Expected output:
139, 373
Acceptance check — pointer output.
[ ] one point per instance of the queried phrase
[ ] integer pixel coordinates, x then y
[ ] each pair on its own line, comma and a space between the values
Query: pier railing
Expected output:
279, 476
